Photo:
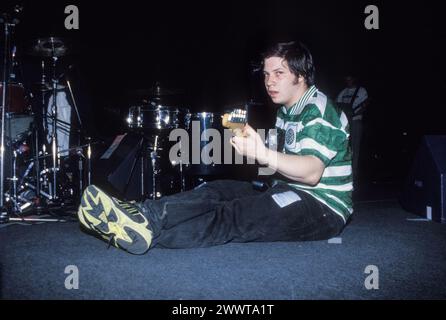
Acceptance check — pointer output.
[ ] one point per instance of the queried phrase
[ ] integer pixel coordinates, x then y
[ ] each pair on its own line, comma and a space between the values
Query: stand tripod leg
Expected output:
140, 155
5, 81
142, 176
81, 173
37, 165
153, 157
89, 164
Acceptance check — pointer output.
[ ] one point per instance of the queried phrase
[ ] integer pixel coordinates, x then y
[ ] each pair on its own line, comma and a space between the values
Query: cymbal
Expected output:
155, 92
49, 47
46, 86
41, 86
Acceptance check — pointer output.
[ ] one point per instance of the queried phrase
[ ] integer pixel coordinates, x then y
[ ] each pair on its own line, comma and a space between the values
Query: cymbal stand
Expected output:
82, 158
81, 170
54, 147
36, 132
153, 158
182, 178
14, 181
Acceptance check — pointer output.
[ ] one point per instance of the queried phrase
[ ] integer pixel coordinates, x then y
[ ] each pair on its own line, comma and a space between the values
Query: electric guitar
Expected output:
235, 120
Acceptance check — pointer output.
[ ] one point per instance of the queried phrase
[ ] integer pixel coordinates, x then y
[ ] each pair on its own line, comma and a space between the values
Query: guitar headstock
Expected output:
236, 119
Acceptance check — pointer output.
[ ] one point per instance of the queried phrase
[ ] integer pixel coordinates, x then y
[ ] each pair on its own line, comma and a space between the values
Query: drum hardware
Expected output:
26, 184
155, 93
157, 154
74, 104
147, 150
81, 159
153, 123
43, 86
14, 179
78, 150
50, 47
14, 123
156, 118
50, 183
155, 169
17, 127
54, 48
72, 150
182, 178
9, 21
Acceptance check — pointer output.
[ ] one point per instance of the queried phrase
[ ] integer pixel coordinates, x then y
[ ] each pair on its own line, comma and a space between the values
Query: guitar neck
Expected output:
235, 121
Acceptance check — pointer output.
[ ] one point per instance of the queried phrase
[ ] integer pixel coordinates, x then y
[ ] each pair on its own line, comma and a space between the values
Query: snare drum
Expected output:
17, 102
156, 118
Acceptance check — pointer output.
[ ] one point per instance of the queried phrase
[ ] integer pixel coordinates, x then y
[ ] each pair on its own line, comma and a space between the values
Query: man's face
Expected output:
350, 81
281, 84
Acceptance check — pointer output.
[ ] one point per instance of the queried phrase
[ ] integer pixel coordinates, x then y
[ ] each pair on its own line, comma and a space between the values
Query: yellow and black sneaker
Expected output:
121, 223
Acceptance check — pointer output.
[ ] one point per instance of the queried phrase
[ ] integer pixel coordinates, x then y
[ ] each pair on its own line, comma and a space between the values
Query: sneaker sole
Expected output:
100, 213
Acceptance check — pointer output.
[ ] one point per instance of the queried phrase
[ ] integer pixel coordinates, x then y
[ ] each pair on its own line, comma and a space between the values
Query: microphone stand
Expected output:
5, 82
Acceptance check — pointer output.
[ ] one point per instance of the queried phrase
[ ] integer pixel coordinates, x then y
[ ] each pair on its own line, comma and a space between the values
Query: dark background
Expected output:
207, 49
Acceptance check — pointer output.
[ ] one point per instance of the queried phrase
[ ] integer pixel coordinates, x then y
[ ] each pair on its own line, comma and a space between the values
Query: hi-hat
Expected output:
49, 47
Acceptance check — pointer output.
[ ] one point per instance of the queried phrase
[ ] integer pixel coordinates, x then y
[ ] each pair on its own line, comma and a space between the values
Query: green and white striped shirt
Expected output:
315, 126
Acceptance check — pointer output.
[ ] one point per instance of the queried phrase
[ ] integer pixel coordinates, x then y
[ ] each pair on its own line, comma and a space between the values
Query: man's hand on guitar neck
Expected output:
247, 142
307, 169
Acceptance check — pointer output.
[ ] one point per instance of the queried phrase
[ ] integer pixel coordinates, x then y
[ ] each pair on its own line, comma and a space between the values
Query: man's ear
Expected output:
299, 80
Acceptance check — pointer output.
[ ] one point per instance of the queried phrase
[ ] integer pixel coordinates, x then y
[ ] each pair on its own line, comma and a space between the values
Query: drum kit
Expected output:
154, 121
34, 162
34, 133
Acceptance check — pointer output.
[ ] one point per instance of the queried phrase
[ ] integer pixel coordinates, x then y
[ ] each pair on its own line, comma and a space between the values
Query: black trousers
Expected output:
222, 211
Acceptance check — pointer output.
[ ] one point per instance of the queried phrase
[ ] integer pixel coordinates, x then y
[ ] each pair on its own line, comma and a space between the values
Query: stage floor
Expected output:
409, 255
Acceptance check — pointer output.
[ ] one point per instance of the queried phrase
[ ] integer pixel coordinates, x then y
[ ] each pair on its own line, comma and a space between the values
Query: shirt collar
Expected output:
298, 106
